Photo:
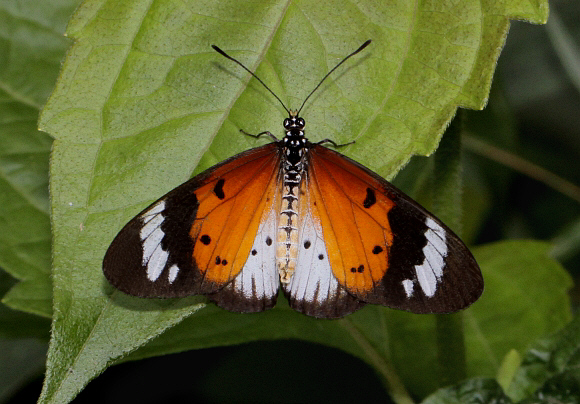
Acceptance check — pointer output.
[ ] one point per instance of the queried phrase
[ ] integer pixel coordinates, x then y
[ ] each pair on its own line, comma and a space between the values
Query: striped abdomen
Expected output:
287, 238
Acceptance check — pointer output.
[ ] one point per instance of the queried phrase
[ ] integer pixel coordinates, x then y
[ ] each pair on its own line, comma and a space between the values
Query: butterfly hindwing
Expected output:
255, 288
314, 289
198, 237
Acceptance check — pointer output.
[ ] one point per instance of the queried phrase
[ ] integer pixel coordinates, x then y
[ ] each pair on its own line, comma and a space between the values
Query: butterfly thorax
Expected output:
295, 150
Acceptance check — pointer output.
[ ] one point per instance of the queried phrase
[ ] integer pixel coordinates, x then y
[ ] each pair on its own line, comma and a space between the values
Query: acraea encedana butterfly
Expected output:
295, 214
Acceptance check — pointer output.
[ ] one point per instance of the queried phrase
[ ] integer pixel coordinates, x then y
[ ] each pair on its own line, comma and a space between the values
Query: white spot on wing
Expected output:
151, 225
154, 257
408, 285
426, 278
173, 273
246, 284
151, 243
429, 272
155, 209
156, 263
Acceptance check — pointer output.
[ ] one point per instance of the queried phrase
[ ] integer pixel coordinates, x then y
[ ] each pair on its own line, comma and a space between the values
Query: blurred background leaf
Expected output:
471, 391
550, 369
549, 373
31, 49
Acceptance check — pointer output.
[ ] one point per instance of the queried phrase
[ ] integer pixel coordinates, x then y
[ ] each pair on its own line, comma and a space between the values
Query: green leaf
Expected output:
471, 391
142, 100
28, 72
19, 324
525, 297
561, 388
31, 49
550, 368
507, 370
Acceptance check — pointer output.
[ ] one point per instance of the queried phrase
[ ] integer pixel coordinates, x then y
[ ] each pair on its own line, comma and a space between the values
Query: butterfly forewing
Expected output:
386, 248
197, 238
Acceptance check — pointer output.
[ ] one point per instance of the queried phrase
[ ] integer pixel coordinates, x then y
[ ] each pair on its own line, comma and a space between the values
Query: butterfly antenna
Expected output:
221, 52
364, 45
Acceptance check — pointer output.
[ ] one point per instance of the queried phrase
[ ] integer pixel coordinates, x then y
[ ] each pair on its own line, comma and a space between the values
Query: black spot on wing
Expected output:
268, 241
218, 190
307, 244
370, 199
377, 249
205, 239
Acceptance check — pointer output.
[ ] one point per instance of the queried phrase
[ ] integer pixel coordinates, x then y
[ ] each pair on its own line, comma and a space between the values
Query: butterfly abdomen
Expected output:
287, 242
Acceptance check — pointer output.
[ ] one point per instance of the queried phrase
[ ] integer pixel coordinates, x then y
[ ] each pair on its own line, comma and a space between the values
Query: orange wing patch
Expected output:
352, 208
231, 207
197, 237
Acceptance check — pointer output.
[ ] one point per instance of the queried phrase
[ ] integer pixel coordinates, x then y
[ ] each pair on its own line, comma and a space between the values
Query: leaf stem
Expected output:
447, 206
523, 166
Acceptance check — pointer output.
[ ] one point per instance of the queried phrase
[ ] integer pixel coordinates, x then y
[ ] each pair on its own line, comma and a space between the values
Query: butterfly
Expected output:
298, 215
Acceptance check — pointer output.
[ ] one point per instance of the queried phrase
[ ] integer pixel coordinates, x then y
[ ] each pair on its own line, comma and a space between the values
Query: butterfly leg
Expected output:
260, 134
333, 143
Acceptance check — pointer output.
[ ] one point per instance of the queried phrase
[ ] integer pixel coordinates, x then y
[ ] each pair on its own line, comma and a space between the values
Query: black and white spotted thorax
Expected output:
294, 158
295, 143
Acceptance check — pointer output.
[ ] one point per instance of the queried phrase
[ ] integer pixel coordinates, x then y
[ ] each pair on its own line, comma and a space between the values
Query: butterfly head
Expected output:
294, 122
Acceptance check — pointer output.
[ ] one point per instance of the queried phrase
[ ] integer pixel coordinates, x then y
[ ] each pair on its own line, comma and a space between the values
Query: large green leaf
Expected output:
142, 100
31, 49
